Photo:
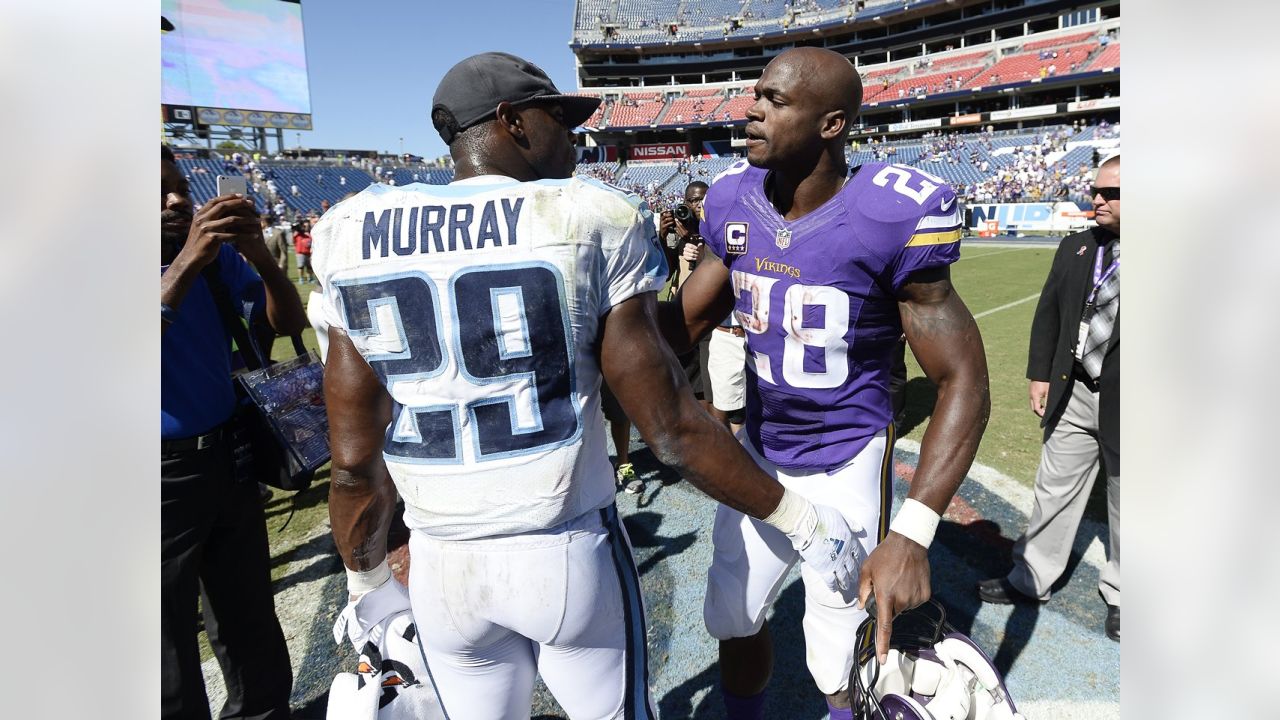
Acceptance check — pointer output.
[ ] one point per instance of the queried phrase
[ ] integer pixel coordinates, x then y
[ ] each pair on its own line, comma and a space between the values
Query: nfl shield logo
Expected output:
783, 239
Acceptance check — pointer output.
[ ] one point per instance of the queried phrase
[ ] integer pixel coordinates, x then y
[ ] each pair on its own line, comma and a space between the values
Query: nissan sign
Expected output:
660, 151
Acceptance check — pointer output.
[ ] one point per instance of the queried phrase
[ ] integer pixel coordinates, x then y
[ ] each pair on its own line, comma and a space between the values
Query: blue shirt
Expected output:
196, 394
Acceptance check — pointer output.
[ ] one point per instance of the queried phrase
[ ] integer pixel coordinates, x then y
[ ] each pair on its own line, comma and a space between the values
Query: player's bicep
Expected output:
359, 407
939, 327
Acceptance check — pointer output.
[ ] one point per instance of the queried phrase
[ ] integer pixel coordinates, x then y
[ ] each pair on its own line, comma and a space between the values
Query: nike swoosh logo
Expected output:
946, 204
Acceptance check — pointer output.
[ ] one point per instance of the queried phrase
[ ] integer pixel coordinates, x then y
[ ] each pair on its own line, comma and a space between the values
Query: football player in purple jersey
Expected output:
826, 269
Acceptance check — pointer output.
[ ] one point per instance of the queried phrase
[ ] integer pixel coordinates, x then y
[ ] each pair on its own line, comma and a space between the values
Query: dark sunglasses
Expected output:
1107, 193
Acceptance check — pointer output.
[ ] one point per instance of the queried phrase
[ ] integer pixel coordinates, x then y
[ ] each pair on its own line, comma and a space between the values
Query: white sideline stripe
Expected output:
1022, 498
1006, 306
998, 252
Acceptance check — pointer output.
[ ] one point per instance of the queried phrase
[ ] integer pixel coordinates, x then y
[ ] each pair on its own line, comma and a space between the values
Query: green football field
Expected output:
1001, 286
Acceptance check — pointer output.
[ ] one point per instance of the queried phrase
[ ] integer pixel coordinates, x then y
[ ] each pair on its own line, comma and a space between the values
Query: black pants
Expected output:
213, 541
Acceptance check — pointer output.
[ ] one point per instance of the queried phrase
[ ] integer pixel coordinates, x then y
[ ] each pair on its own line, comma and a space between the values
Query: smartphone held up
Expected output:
232, 185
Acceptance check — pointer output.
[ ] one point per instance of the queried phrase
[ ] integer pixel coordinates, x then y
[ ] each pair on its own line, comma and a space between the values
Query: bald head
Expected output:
806, 99
826, 75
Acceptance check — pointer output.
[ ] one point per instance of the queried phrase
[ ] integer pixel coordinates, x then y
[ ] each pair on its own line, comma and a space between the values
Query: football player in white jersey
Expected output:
470, 328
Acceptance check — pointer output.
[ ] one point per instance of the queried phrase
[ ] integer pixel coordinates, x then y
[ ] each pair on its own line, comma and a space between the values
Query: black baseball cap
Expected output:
472, 89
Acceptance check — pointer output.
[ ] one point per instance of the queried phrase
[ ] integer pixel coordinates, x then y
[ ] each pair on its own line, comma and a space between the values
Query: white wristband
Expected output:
359, 583
916, 521
795, 517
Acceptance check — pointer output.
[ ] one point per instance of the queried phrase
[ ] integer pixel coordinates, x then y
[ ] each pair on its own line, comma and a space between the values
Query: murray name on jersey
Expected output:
439, 228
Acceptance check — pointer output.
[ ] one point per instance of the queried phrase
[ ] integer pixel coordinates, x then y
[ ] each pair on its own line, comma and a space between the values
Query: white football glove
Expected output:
391, 682
827, 544
364, 619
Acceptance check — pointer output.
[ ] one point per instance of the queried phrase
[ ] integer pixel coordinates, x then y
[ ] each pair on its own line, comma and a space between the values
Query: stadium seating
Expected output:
1108, 58
425, 175
917, 85
204, 185
874, 75
663, 182
642, 114
649, 21
607, 171
598, 118
709, 12
691, 105
966, 60
643, 175
316, 183
1026, 66
1058, 41
705, 170
696, 106
736, 108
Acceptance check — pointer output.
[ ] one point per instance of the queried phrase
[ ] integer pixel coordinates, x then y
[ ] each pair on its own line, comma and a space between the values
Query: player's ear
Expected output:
834, 124
509, 120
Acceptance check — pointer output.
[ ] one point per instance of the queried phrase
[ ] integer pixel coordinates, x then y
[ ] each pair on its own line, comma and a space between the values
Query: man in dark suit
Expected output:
1074, 368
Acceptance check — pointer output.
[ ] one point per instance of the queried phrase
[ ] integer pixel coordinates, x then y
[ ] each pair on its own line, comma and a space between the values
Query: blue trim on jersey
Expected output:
636, 701
389, 380
415, 411
395, 305
503, 352
529, 377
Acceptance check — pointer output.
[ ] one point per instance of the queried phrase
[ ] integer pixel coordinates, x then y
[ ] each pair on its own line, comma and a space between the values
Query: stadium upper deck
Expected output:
683, 72
1044, 59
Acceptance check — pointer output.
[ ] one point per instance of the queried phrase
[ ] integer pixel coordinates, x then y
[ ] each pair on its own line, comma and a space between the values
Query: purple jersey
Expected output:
817, 299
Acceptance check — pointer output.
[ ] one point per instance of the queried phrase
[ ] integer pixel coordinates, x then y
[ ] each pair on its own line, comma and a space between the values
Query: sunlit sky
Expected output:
374, 65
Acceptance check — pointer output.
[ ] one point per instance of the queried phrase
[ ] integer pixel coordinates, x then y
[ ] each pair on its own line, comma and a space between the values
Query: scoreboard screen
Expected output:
240, 56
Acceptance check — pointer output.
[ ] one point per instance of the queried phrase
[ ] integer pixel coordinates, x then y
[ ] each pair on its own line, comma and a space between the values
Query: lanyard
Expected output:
1100, 276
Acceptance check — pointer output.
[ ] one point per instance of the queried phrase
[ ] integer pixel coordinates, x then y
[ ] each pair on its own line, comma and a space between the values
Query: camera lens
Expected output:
683, 213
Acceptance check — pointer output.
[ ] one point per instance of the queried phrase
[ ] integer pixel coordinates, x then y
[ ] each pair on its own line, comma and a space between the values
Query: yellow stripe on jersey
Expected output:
886, 483
934, 238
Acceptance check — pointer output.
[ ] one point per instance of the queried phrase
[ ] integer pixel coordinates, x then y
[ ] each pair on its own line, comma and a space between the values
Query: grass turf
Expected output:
988, 278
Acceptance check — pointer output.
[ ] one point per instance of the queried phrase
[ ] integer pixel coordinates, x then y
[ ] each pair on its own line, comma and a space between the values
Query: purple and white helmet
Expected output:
932, 673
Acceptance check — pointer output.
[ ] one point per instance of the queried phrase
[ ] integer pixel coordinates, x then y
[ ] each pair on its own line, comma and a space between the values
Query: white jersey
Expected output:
478, 306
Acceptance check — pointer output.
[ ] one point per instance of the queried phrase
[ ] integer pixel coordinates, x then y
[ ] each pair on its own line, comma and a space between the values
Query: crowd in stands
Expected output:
930, 75
1048, 164
1051, 163
657, 21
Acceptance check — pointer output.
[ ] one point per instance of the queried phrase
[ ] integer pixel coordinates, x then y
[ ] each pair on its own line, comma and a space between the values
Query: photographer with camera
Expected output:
678, 226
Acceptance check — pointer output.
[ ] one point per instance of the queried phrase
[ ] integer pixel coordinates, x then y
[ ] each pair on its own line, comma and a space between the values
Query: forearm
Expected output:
651, 388
951, 440
674, 327
704, 453
361, 505
945, 339
361, 495
284, 309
